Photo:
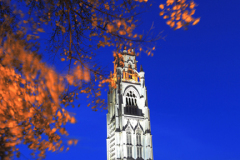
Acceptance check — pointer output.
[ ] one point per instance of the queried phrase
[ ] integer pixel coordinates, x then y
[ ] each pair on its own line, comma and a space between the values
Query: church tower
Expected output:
128, 120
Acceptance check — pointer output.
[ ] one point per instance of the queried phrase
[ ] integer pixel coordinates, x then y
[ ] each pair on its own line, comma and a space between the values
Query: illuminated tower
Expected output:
128, 121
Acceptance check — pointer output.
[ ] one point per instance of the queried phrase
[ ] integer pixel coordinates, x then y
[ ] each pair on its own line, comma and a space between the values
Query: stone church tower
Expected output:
128, 120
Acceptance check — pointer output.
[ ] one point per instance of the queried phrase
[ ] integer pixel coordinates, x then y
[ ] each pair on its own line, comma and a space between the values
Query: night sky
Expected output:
193, 84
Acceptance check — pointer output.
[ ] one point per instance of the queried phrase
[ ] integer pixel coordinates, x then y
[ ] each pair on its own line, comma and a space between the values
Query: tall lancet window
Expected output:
139, 152
139, 144
129, 138
138, 139
129, 151
129, 144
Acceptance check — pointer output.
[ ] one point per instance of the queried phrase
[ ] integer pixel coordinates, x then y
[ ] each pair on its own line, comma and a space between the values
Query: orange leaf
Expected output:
169, 22
54, 130
192, 12
172, 24
196, 21
73, 120
122, 32
161, 6
70, 142
173, 14
192, 5
179, 25
161, 13
40, 30
165, 17
75, 141
188, 19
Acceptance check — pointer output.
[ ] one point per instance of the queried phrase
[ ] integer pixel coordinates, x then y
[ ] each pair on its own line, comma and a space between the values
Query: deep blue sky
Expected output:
193, 83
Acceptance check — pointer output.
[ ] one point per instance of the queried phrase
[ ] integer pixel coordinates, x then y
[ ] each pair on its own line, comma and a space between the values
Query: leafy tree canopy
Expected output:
32, 94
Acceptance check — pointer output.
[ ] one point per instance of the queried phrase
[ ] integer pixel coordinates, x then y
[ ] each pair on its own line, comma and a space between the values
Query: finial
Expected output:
118, 62
141, 68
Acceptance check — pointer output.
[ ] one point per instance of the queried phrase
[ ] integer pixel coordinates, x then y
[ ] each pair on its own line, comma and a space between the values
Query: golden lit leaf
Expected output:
161, 6
73, 120
178, 17
75, 141
173, 14
169, 22
110, 28
179, 25
170, 2
70, 142
196, 21
165, 17
54, 130
161, 13
62, 59
61, 149
86, 75
189, 19
192, 5
106, 6
122, 32
40, 30
192, 12
172, 24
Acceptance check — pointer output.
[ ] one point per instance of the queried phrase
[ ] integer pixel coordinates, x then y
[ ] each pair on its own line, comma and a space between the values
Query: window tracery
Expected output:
139, 143
131, 104
129, 138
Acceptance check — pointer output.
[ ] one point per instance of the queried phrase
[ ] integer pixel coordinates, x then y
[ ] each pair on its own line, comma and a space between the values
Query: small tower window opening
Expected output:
130, 74
131, 104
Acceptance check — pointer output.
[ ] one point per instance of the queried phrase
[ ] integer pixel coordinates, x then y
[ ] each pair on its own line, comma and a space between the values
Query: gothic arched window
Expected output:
129, 138
129, 151
139, 144
129, 144
131, 104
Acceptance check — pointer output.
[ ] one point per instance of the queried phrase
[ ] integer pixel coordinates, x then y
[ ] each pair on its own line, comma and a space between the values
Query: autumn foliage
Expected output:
30, 101
33, 96
179, 13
